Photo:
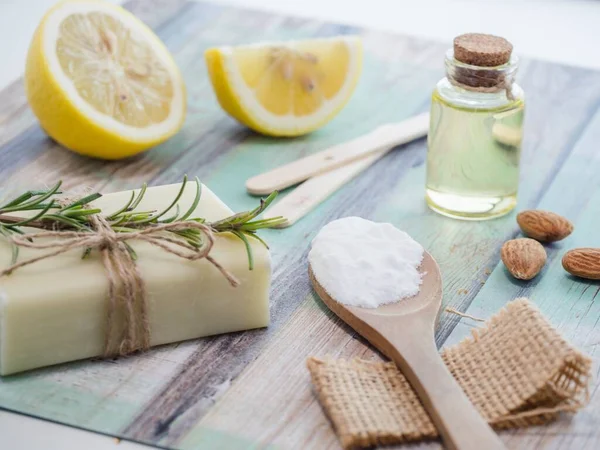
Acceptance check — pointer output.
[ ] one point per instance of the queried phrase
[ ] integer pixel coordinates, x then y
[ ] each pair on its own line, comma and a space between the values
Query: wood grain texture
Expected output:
251, 389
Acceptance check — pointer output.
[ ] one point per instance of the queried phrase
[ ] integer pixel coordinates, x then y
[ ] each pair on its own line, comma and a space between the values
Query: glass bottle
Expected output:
474, 141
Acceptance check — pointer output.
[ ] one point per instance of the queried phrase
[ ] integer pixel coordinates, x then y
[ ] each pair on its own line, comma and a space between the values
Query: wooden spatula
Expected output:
404, 332
384, 137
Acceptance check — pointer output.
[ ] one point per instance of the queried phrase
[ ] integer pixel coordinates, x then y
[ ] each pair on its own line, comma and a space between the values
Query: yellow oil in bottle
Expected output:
474, 141
473, 158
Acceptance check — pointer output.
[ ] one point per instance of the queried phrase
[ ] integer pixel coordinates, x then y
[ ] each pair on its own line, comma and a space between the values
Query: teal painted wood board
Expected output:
251, 389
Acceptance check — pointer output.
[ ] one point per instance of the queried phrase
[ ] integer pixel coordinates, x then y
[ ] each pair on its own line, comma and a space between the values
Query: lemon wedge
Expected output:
289, 88
101, 82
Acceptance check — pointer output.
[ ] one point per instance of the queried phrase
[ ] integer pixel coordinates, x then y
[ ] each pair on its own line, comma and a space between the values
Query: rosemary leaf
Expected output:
34, 207
14, 230
17, 201
81, 212
123, 229
124, 208
173, 203
135, 218
66, 221
232, 222
229, 222
173, 217
131, 251
36, 217
82, 201
264, 204
137, 214
252, 234
139, 198
248, 248
265, 223
195, 202
13, 248
118, 222
35, 201
192, 238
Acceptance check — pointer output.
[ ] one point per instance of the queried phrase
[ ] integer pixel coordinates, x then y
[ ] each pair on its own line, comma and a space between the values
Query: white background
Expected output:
564, 31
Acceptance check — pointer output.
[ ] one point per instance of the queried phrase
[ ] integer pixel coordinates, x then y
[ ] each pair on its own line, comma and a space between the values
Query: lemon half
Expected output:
101, 82
286, 88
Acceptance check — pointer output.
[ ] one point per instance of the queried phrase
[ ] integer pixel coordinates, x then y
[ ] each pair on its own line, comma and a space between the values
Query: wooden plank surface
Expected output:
251, 389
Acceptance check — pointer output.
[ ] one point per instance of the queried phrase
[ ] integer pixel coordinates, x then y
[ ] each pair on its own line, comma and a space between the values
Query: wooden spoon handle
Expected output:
456, 419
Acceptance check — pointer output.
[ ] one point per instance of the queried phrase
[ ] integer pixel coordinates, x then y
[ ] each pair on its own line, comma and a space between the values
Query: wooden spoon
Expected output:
404, 332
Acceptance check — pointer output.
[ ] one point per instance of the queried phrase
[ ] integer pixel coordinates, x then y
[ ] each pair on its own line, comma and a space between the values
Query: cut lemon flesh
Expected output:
101, 82
286, 89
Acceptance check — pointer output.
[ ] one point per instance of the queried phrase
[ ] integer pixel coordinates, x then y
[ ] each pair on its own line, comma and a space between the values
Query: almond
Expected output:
544, 226
524, 258
583, 262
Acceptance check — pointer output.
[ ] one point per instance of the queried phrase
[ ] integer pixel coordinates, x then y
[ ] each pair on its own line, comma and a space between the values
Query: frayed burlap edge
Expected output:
517, 370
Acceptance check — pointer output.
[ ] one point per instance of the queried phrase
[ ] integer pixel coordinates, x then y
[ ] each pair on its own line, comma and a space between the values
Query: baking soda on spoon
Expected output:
364, 263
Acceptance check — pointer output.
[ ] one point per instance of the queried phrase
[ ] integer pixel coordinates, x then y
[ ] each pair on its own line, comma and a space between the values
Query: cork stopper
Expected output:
483, 50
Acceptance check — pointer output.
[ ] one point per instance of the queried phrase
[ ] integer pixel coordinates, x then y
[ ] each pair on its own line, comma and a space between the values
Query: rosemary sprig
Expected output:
55, 215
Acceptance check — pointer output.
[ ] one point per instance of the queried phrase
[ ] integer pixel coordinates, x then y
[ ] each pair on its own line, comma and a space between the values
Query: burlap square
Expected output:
517, 370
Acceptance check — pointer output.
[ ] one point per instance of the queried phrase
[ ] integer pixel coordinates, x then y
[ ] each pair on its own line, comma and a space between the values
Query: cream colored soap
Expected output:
54, 311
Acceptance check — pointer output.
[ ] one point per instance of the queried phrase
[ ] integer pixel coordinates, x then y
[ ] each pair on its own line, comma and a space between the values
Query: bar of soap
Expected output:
54, 310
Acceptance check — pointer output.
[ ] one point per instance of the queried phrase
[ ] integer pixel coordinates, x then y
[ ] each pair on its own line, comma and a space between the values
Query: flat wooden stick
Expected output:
382, 138
313, 191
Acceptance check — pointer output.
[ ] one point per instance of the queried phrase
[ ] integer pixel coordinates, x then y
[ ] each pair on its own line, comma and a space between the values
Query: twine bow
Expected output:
126, 287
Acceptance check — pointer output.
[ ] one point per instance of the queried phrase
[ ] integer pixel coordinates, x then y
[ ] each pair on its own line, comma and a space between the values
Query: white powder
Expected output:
364, 263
